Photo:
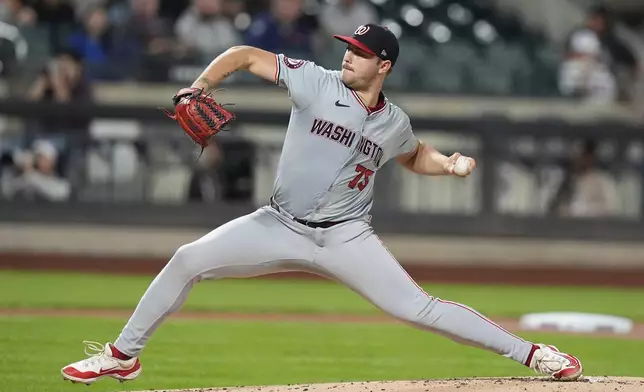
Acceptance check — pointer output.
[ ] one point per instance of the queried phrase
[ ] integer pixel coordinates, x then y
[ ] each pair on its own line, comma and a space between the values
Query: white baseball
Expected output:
462, 166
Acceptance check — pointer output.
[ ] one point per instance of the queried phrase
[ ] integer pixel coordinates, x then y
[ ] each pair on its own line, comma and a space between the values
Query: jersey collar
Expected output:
382, 102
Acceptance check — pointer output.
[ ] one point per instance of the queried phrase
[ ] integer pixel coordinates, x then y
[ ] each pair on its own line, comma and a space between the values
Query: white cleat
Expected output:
101, 363
550, 361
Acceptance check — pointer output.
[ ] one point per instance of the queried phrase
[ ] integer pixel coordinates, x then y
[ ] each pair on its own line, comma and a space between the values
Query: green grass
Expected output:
188, 353
65, 290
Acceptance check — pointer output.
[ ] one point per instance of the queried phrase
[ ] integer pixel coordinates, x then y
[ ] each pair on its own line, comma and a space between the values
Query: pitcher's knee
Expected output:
186, 261
414, 311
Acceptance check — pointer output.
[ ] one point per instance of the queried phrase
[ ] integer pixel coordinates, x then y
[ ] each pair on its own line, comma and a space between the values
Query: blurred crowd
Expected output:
113, 40
141, 39
108, 40
466, 49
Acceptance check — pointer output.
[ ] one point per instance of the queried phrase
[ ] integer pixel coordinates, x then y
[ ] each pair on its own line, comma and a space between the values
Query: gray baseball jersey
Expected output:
334, 144
333, 148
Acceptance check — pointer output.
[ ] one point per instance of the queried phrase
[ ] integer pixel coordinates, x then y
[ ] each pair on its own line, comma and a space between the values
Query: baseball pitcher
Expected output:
342, 130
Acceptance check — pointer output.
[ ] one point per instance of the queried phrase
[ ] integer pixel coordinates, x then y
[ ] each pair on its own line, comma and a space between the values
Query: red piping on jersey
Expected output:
371, 110
277, 69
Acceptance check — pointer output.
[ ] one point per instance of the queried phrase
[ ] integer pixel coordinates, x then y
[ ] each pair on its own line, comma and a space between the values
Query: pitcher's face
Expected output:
360, 69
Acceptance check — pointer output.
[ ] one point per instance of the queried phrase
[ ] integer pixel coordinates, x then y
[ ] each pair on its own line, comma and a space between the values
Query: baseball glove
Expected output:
200, 116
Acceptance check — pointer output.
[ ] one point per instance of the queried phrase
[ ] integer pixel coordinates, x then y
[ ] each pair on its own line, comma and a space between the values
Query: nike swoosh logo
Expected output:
108, 369
338, 104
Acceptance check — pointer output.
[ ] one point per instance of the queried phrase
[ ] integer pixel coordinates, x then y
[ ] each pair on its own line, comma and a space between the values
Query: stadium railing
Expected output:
522, 166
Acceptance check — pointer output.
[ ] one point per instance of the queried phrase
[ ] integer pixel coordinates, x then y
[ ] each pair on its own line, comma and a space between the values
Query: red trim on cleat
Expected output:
569, 373
91, 376
101, 363
125, 373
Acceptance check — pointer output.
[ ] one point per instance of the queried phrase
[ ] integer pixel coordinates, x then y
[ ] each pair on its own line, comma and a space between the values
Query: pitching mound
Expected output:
524, 384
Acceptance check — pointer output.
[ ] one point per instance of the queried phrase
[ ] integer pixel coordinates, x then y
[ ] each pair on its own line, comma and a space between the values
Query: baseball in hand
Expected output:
462, 166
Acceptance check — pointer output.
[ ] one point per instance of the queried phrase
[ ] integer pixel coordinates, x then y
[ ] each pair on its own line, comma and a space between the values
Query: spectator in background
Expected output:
33, 175
148, 28
17, 13
622, 61
613, 69
586, 190
144, 43
284, 29
585, 73
94, 44
62, 80
342, 16
205, 31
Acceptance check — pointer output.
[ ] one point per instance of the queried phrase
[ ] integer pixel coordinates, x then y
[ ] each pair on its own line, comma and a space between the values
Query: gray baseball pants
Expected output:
267, 241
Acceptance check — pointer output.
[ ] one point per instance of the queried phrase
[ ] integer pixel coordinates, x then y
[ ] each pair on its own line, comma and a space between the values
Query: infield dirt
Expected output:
515, 384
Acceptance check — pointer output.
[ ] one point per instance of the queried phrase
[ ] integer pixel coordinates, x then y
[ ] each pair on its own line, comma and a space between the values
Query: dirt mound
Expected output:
515, 384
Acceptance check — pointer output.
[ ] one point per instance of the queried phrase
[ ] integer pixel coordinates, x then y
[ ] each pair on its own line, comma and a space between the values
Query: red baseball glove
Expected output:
199, 115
